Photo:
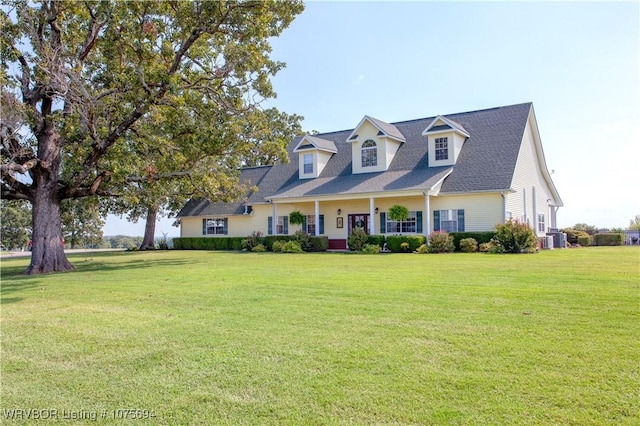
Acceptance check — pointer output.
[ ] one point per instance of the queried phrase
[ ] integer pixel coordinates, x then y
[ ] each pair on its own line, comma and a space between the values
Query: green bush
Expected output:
423, 249
468, 245
484, 247
357, 239
515, 237
252, 240
394, 242
376, 239
480, 237
208, 243
270, 239
259, 248
574, 234
609, 239
319, 243
303, 239
371, 249
291, 247
585, 240
276, 247
440, 242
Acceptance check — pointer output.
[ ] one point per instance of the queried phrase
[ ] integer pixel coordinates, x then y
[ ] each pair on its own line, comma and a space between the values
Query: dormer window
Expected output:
442, 149
369, 153
308, 164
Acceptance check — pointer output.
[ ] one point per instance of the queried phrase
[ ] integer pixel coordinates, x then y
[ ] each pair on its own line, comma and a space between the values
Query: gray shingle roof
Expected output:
486, 162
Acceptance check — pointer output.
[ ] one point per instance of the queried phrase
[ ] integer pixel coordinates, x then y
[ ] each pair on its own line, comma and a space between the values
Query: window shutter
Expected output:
225, 226
285, 225
270, 225
321, 225
383, 223
436, 220
419, 222
204, 226
461, 220
304, 223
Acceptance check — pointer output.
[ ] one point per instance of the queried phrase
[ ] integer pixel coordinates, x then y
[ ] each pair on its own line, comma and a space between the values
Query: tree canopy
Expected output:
103, 97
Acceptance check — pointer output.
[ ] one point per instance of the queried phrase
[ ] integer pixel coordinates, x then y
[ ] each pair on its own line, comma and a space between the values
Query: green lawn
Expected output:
244, 338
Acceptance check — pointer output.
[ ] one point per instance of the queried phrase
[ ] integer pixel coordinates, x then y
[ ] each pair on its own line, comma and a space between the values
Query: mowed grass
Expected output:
243, 338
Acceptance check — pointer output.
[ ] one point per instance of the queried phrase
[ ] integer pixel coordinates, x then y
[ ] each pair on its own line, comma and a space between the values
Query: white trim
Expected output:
454, 127
309, 139
371, 121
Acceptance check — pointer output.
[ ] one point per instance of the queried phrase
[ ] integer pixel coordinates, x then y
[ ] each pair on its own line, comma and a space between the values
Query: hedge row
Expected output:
235, 243
480, 237
609, 239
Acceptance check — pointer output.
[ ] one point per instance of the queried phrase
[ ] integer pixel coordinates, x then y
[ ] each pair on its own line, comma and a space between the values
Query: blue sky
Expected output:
578, 62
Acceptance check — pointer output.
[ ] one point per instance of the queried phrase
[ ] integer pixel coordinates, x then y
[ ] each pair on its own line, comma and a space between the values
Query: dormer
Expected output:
374, 143
445, 138
313, 155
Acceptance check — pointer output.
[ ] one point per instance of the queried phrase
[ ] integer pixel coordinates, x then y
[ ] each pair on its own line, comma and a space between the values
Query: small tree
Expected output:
515, 237
634, 224
357, 239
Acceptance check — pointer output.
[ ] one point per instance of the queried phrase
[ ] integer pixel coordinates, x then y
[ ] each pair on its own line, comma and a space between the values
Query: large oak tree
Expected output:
87, 77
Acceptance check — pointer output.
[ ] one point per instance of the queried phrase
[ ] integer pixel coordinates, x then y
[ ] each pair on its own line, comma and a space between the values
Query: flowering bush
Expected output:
441, 242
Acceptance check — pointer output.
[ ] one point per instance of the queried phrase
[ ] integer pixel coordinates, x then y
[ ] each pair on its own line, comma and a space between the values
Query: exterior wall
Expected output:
532, 191
482, 212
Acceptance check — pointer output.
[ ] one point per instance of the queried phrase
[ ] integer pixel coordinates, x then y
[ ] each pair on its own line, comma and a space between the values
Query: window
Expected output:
409, 225
214, 226
310, 225
541, 226
448, 220
442, 149
369, 153
308, 164
281, 225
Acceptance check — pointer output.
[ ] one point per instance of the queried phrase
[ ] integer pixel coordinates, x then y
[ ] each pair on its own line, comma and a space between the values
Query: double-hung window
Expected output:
541, 225
214, 226
310, 224
448, 220
404, 226
442, 149
308, 164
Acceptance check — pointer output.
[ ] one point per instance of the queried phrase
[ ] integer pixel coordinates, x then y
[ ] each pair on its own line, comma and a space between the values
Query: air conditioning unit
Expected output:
547, 242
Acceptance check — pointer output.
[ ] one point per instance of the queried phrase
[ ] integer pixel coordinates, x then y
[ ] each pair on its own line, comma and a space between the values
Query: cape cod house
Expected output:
457, 172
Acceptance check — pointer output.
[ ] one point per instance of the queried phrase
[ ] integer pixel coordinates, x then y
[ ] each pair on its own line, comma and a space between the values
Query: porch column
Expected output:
274, 222
426, 217
372, 222
316, 232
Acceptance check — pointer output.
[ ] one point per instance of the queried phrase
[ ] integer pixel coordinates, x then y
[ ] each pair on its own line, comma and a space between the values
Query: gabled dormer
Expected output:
445, 138
313, 155
374, 143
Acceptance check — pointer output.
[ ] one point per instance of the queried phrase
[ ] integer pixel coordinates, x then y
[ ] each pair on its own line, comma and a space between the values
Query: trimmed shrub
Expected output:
371, 249
423, 249
357, 239
609, 239
319, 243
484, 247
394, 242
440, 242
259, 248
270, 239
480, 237
574, 234
376, 239
468, 245
291, 247
515, 237
208, 243
584, 241
276, 247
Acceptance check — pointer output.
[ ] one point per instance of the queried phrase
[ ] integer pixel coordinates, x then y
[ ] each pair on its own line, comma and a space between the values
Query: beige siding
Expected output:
482, 212
531, 189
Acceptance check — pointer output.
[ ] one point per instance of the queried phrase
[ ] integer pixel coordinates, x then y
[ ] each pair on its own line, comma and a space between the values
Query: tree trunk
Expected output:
47, 254
148, 242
